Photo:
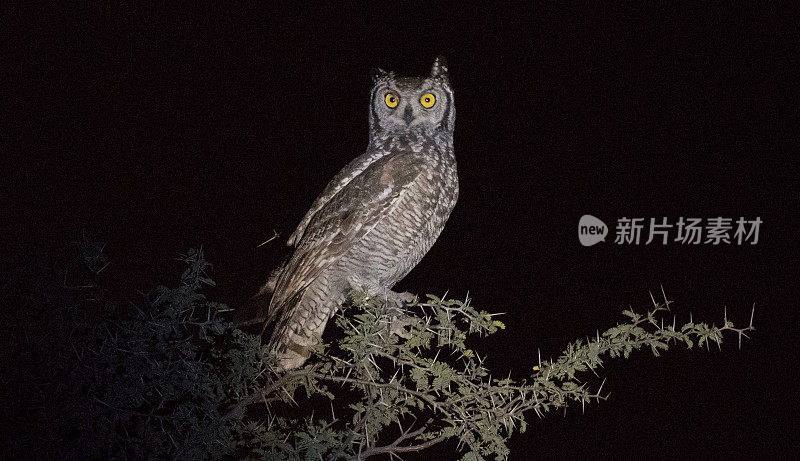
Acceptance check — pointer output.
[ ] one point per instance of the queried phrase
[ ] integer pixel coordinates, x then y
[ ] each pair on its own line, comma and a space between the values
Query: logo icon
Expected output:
591, 230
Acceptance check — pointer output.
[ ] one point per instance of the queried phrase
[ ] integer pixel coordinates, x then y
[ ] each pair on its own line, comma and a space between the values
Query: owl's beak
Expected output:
408, 115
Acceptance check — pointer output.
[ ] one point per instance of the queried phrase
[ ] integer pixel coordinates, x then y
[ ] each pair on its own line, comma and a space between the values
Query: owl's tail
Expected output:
291, 333
286, 333
294, 325
285, 341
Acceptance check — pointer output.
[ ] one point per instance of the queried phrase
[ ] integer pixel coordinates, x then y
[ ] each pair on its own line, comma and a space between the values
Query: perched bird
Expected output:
376, 219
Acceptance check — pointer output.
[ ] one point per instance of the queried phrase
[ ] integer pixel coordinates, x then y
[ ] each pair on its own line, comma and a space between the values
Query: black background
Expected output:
159, 130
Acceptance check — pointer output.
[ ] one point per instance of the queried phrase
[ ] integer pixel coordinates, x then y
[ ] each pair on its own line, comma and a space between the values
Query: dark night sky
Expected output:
160, 130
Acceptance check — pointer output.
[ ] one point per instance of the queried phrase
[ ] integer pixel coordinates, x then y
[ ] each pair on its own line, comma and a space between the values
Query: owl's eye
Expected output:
391, 100
427, 100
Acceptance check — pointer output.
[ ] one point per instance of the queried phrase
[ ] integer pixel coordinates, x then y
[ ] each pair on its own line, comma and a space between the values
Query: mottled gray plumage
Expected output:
378, 216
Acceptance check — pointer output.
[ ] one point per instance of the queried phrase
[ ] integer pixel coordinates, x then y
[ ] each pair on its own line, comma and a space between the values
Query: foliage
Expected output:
175, 380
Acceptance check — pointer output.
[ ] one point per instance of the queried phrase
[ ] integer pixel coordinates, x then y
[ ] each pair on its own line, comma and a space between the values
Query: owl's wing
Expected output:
344, 220
342, 178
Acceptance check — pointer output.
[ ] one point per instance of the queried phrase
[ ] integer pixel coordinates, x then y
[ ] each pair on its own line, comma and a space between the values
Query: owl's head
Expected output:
412, 104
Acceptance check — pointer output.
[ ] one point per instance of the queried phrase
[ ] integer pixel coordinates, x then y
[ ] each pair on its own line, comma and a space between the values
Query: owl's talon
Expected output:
403, 299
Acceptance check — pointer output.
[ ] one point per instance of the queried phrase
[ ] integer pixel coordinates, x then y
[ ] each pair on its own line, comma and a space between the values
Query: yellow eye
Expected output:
427, 100
391, 100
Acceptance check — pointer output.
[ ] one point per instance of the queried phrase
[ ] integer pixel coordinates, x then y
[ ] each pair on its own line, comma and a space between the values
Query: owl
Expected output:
376, 218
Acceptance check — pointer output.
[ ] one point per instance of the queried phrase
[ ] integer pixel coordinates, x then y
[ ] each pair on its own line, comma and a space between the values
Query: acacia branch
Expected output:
395, 446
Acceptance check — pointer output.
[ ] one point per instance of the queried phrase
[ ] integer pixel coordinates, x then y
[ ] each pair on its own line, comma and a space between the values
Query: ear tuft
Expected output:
378, 74
439, 68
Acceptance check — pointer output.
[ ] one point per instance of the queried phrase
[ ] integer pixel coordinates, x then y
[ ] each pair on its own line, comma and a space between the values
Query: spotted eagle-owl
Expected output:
378, 216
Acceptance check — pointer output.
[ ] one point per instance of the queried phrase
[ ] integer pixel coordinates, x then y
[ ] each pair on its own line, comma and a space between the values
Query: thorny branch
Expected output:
418, 376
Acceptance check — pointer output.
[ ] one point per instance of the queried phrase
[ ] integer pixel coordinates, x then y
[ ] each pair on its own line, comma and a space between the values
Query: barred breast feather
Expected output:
374, 229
